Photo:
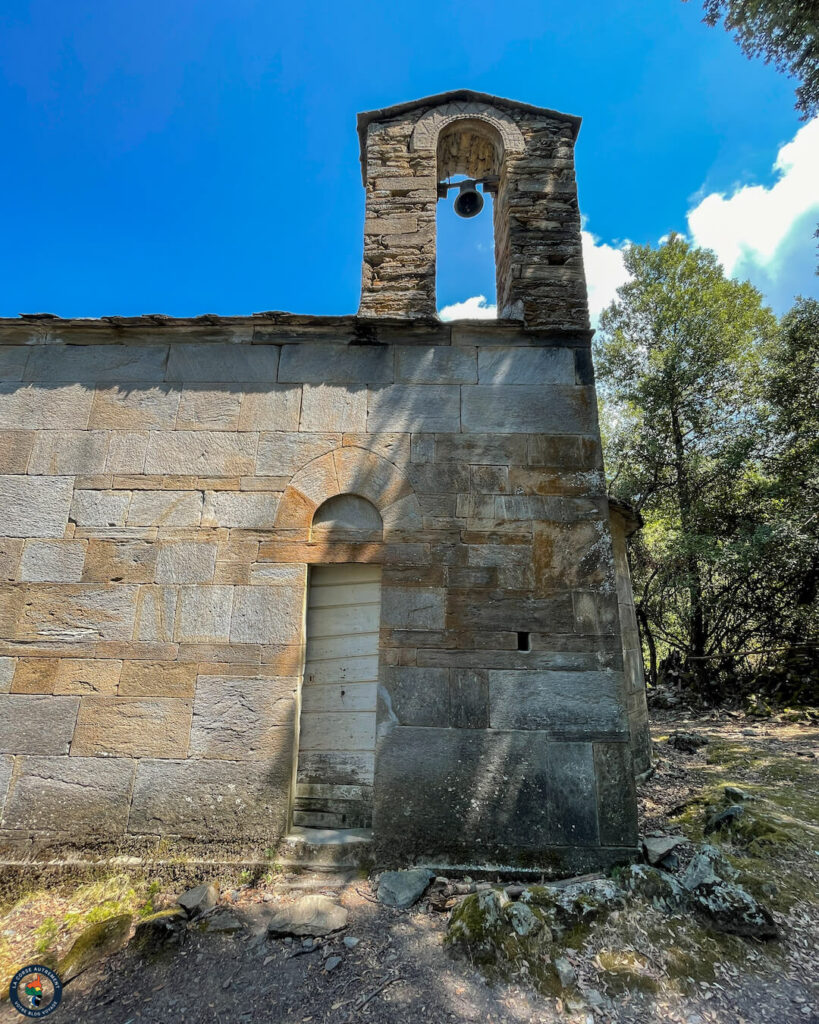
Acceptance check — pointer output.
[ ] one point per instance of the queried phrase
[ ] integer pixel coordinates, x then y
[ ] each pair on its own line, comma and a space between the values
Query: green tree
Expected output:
782, 32
679, 361
789, 491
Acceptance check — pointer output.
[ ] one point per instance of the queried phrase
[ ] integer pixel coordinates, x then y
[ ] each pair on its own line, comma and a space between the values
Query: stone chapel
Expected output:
335, 587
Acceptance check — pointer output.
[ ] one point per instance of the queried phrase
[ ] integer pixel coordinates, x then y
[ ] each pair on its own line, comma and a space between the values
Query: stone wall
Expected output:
408, 149
158, 483
624, 522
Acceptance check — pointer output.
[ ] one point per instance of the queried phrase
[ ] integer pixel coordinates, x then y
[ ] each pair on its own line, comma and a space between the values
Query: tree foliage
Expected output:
782, 32
710, 430
790, 473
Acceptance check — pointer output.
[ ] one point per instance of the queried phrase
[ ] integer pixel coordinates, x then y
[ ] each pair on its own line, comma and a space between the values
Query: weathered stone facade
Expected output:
160, 481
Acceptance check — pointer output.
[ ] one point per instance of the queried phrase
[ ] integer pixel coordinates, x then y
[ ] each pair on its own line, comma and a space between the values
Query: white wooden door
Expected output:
338, 697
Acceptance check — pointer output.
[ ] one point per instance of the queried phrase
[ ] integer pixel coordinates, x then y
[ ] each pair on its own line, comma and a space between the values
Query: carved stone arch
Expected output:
427, 130
348, 470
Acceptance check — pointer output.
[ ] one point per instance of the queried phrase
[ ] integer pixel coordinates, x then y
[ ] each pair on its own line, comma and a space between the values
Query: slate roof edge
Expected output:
283, 329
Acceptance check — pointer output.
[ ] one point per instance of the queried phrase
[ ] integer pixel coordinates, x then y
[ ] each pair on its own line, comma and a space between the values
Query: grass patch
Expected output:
43, 923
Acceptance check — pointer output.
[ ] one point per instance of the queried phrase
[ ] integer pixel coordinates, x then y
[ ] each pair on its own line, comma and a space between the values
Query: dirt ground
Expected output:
400, 973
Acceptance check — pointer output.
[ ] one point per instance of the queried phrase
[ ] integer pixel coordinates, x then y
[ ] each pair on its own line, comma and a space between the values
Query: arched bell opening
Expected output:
469, 162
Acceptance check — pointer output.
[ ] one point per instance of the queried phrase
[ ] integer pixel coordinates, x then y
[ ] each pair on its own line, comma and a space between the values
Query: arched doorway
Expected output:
337, 723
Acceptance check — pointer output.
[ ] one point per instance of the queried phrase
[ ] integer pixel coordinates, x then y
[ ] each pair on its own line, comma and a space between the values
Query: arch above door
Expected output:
354, 471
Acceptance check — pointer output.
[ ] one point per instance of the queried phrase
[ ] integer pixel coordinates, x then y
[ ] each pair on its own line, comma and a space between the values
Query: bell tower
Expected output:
522, 155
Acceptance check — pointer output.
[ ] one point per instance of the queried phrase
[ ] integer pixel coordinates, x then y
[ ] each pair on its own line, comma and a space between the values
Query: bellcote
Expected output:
527, 155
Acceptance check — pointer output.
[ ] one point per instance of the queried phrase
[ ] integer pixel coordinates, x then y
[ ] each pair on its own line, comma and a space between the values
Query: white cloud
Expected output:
752, 230
476, 308
605, 272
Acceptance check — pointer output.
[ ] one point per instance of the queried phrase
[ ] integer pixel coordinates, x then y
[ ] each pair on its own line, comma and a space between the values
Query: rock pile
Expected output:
525, 934
525, 929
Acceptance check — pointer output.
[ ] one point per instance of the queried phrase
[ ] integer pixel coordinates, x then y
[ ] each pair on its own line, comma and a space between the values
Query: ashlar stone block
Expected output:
267, 615
222, 363
391, 446
35, 506
33, 407
126, 451
210, 407
230, 799
528, 366
270, 407
336, 364
421, 407
12, 599
6, 768
248, 510
566, 705
35, 675
13, 359
419, 696
514, 409
140, 407
201, 453
614, 768
87, 676
100, 508
165, 508
157, 679
185, 562
11, 554
120, 561
424, 364
72, 612
97, 363
72, 797
53, 561
469, 698
7, 667
69, 452
239, 718
534, 795
285, 454
54, 718
471, 449
132, 727
413, 607
571, 554
278, 574
15, 450
156, 614
595, 612
203, 615
328, 408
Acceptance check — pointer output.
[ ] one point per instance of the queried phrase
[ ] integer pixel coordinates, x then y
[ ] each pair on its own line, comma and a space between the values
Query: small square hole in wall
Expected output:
524, 641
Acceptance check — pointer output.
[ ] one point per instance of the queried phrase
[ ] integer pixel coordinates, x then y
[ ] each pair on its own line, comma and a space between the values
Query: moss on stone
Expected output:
477, 924
546, 979
99, 940
625, 971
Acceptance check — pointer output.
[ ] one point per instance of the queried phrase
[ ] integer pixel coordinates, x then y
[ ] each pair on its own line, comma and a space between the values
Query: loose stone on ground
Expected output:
310, 915
402, 889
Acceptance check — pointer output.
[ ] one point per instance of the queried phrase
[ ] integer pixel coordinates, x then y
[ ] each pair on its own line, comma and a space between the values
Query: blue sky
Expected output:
200, 156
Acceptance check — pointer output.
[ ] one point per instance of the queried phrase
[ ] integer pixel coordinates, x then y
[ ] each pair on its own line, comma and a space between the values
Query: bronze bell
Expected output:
469, 201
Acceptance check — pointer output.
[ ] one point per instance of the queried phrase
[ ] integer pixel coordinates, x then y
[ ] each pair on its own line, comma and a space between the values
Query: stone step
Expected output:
326, 848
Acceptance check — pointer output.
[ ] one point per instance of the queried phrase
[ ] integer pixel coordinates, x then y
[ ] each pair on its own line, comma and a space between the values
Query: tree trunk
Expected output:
697, 633
648, 636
